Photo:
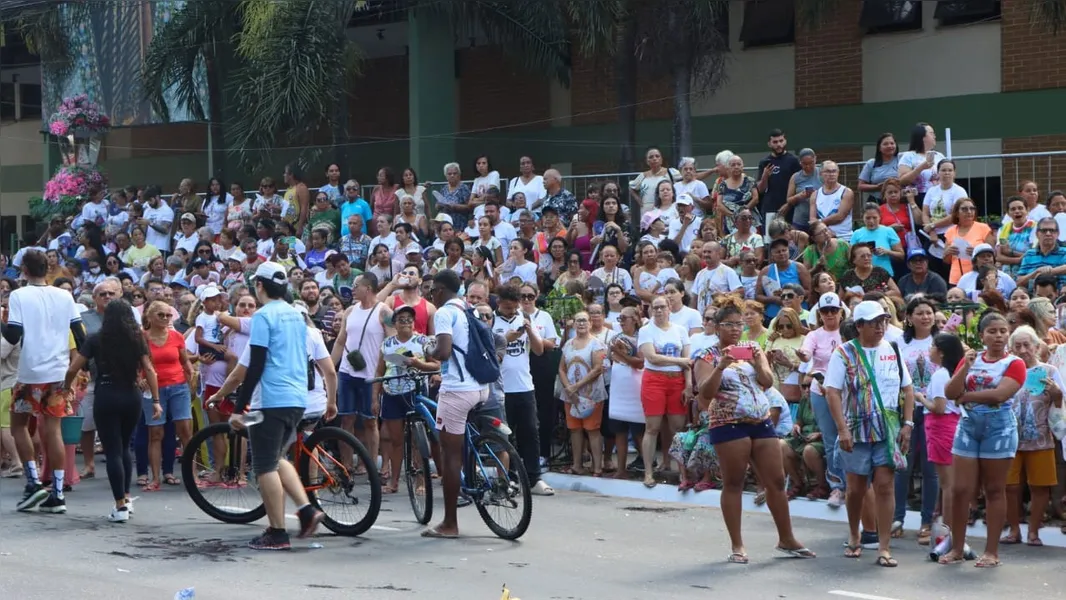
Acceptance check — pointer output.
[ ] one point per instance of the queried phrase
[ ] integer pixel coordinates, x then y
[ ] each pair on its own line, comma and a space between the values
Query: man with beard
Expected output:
504, 231
309, 294
775, 171
406, 290
157, 220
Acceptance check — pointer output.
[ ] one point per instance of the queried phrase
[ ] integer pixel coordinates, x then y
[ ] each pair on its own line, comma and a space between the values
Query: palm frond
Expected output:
812, 13
1051, 14
293, 80
170, 64
44, 29
532, 33
594, 24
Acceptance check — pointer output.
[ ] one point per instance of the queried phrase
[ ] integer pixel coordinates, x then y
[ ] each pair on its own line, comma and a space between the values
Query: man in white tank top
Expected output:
367, 323
833, 202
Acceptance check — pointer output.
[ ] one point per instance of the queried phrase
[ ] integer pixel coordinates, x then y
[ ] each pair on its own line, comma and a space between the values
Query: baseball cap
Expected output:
413, 249
403, 309
981, 248
649, 218
198, 262
829, 300
188, 217
273, 272
867, 310
237, 256
443, 218
210, 292
684, 199
916, 252
549, 209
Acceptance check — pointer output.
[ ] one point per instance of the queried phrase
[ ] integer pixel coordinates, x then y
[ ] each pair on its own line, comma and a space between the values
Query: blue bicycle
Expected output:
493, 475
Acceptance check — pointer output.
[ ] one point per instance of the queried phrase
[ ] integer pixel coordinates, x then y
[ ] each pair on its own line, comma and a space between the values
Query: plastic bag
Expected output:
1056, 419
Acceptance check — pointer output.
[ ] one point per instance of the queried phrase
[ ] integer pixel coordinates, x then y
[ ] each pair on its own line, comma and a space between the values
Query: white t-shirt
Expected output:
687, 317
935, 390
450, 319
482, 184
915, 355
94, 213
882, 360
720, 280
1039, 212
504, 231
913, 159
212, 331
188, 244
893, 334
389, 241
940, 202
45, 314
527, 272
701, 341
690, 233
1004, 283
158, 216
534, 190
668, 342
216, 212
515, 366
265, 248
695, 188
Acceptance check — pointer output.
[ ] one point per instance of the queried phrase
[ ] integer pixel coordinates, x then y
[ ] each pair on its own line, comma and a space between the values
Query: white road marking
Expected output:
859, 595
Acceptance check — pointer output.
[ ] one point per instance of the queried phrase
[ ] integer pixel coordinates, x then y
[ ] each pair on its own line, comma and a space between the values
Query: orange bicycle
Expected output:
338, 473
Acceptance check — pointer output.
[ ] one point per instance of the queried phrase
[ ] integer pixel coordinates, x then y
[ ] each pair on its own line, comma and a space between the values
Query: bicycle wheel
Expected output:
331, 466
416, 470
503, 487
234, 498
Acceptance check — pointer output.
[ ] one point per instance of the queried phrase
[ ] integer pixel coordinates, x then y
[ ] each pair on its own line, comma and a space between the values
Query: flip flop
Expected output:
650, 484
433, 533
685, 486
703, 486
801, 552
151, 487
88, 475
142, 481
853, 551
1010, 540
944, 560
987, 563
171, 480
1035, 541
886, 561
738, 558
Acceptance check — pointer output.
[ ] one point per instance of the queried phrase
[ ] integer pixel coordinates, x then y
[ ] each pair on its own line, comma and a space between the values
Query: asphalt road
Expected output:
579, 546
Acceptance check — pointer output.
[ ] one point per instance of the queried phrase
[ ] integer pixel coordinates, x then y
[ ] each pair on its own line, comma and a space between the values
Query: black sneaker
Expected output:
271, 539
34, 494
54, 504
869, 540
309, 520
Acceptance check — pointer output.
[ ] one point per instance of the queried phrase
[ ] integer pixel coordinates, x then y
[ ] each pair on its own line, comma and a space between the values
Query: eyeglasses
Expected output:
708, 319
106, 294
967, 209
781, 326
1047, 230
528, 296
581, 321
830, 310
731, 324
659, 307
405, 320
879, 322
787, 296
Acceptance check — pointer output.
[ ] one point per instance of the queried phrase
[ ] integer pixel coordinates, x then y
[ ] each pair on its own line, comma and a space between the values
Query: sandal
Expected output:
1034, 541
88, 474
818, 493
573, 471
925, 535
948, 559
853, 551
1010, 539
897, 530
434, 533
151, 487
171, 480
738, 558
760, 498
650, 483
886, 561
685, 486
987, 562
597, 473
142, 481
801, 552
703, 486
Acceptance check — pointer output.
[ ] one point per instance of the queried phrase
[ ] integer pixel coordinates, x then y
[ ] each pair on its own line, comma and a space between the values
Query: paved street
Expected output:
580, 546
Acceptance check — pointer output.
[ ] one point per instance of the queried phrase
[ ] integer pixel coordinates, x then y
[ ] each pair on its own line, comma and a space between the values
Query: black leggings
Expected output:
116, 412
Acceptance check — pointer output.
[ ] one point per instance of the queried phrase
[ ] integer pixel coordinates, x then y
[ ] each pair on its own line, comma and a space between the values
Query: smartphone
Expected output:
742, 353
953, 322
809, 189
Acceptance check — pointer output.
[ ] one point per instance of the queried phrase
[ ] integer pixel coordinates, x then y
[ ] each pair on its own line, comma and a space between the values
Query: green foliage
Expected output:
43, 210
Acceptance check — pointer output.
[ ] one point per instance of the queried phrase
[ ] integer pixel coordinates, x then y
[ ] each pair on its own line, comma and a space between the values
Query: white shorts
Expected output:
453, 408
88, 423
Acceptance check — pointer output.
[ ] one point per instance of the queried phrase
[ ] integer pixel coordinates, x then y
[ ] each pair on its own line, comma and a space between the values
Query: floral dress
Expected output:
876, 281
1031, 407
736, 200
1018, 240
578, 363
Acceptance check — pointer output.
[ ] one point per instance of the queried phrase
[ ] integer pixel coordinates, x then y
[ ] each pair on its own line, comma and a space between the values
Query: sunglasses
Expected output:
106, 294
832, 310
708, 319
528, 296
783, 326
485, 316
787, 296
967, 209
405, 320
138, 296
1046, 230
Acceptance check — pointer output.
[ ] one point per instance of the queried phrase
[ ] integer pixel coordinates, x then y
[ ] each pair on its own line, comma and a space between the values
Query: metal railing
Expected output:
989, 178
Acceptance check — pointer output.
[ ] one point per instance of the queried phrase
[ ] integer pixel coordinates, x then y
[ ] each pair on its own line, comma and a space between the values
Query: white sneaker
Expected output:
836, 499
542, 489
129, 503
119, 515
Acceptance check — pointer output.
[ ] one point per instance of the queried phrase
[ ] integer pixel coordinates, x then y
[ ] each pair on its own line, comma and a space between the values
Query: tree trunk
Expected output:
682, 141
216, 119
340, 134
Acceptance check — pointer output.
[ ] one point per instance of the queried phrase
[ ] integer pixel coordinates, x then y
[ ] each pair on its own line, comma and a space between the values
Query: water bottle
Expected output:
253, 417
942, 547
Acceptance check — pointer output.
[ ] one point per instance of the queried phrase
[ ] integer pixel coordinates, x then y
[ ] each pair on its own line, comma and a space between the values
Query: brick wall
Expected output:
1033, 59
1049, 172
495, 92
829, 59
379, 104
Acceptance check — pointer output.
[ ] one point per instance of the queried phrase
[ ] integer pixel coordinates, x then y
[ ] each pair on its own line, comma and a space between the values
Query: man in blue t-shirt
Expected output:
278, 363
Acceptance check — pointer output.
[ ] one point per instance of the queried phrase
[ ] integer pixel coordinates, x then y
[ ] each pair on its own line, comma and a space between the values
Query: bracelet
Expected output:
155, 401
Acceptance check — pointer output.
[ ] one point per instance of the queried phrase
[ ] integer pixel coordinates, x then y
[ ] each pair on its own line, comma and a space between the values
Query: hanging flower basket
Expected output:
70, 184
80, 125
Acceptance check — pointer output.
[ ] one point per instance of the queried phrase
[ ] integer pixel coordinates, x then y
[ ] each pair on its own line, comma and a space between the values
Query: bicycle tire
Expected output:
415, 439
189, 476
322, 437
516, 470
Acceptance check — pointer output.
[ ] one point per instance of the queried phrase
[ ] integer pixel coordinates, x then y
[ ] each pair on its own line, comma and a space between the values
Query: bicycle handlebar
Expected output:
413, 375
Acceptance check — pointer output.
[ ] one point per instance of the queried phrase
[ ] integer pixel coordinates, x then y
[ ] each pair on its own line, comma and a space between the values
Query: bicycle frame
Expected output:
299, 450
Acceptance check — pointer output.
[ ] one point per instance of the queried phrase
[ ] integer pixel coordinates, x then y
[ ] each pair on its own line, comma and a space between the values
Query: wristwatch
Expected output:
909, 424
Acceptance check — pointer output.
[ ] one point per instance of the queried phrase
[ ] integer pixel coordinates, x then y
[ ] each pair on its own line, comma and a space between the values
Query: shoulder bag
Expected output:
892, 426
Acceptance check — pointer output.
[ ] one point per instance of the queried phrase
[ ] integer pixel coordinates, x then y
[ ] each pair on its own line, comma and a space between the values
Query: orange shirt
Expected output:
978, 233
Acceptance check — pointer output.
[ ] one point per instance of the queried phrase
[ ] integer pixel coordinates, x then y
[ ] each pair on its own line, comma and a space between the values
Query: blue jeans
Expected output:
917, 458
833, 473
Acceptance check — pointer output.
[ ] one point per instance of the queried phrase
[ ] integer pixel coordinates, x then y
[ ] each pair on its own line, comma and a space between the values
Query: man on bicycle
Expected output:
459, 393
278, 361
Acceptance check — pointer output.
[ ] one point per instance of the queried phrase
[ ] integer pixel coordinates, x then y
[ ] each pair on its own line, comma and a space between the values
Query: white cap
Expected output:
443, 218
867, 310
684, 198
209, 292
829, 300
272, 271
979, 248
237, 256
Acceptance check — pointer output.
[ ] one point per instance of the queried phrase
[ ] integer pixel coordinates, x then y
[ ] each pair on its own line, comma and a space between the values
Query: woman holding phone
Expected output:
917, 165
731, 377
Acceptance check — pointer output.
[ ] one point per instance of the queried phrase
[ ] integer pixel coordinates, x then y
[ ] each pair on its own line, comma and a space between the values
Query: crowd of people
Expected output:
782, 331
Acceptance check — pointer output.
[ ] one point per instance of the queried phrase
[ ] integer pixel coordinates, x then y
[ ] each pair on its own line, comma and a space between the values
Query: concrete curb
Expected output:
802, 508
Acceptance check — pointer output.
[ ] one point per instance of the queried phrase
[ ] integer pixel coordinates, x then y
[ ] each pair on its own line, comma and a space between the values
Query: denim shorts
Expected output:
395, 407
991, 434
864, 458
176, 402
736, 431
354, 397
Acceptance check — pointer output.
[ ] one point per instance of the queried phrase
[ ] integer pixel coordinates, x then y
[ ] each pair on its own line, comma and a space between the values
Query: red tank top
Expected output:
421, 314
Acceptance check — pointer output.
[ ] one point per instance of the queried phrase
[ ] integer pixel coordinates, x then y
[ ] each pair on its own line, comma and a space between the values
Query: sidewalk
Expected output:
799, 507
